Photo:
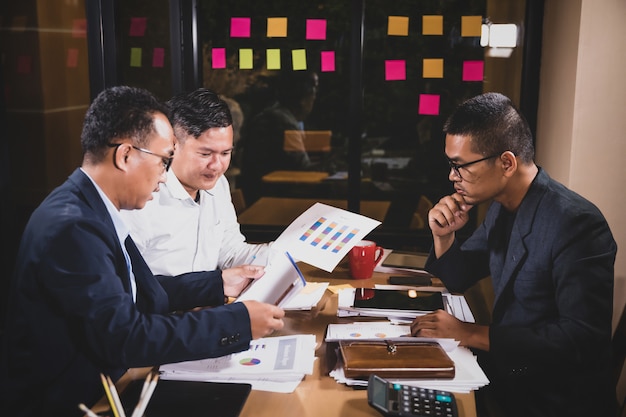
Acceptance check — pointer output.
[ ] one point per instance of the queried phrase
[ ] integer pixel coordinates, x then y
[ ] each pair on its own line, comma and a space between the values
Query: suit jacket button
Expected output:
223, 341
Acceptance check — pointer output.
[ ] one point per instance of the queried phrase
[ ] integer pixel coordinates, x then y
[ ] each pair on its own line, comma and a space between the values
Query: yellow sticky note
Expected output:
432, 25
276, 27
471, 25
273, 59
298, 57
135, 57
245, 59
433, 68
398, 26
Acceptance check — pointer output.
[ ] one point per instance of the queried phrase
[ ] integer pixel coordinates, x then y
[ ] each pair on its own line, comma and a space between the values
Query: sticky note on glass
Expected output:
158, 57
473, 70
429, 104
432, 68
273, 59
72, 58
18, 23
328, 61
24, 64
218, 58
398, 26
276, 27
138, 26
135, 57
245, 58
395, 69
240, 27
471, 25
298, 57
79, 28
432, 25
316, 29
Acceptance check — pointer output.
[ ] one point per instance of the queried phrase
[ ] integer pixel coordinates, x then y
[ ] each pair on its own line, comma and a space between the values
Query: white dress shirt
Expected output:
176, 235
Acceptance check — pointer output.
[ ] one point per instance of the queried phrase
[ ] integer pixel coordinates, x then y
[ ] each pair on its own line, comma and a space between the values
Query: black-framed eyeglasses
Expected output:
167, 160
456, 167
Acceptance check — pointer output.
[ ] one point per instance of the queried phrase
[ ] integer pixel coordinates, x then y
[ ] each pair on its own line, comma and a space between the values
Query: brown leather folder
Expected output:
395, 359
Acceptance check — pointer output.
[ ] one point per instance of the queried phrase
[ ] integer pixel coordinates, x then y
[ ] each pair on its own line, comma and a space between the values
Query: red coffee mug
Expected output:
364, 257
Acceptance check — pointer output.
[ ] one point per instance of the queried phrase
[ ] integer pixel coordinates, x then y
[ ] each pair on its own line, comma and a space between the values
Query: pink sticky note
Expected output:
395, 69
79, 28
72, 58
429, 104
473, 70
218, 58
240, 27
316, 29
328, 61
158, 57
138, 26
24, 64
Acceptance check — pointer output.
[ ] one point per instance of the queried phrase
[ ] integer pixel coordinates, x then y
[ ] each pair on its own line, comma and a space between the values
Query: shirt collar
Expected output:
120, 227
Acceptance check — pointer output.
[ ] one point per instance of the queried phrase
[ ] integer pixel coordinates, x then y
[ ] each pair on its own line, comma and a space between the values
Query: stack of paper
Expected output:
275, 364
468, 374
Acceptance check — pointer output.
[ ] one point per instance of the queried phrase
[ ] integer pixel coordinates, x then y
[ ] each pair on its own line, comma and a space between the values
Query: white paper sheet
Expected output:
323, 235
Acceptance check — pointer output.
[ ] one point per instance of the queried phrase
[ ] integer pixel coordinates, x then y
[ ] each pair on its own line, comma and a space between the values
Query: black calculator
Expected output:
398, 400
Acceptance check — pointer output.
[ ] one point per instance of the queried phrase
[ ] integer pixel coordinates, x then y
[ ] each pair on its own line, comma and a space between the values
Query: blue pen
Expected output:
297, 269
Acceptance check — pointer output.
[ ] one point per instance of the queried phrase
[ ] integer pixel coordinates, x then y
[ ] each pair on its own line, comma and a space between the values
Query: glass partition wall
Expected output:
344, 101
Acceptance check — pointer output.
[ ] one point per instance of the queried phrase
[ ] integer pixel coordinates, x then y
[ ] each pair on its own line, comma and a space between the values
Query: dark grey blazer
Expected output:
72, 316
553, 283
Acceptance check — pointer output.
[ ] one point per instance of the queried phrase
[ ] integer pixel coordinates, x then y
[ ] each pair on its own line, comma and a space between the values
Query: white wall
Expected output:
581, 126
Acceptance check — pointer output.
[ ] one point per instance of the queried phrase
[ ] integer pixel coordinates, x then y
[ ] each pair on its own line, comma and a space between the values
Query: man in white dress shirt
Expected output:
191, 224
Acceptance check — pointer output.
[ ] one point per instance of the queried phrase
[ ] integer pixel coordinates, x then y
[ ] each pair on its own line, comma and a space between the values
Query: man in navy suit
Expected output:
84, 302
550, 254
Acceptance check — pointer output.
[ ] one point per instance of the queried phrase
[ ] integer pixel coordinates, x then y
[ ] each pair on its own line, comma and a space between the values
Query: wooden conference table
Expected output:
318, 394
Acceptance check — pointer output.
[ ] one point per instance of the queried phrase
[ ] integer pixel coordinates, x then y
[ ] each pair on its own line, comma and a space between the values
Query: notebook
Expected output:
189, 398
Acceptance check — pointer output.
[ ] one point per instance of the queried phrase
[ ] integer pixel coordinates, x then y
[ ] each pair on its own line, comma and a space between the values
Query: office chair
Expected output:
619, 357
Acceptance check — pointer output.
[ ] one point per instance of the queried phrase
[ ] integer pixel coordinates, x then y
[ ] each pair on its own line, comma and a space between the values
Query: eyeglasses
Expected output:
167, 160
456, 167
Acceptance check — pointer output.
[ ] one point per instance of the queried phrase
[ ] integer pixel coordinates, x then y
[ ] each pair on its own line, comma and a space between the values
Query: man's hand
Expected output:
237, 278
450, 214
265, 318
444, 325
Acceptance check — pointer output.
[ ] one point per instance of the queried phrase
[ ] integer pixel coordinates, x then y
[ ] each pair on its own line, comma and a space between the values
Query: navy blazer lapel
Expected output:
92, 198
517, 249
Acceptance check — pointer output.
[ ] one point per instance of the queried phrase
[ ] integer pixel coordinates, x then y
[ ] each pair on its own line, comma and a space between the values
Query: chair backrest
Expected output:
239, 202
619, 355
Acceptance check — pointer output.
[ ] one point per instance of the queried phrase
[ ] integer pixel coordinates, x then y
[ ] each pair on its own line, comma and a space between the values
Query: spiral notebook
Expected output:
189, 398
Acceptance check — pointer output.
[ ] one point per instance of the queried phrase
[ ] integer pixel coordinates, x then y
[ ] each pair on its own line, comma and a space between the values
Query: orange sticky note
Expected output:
298, 58
276, 27
273, 59
245, 58
398, 26
433, 68
432, 25
471, 25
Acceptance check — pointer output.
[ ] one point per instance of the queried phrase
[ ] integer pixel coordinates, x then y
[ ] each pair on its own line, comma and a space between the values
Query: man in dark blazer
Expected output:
83, 301
550, 254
